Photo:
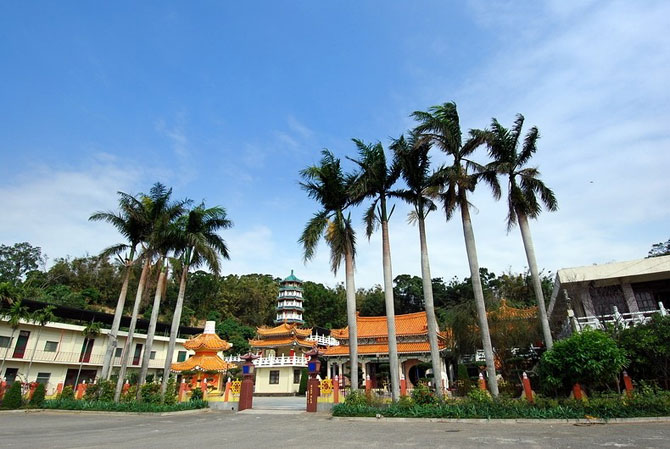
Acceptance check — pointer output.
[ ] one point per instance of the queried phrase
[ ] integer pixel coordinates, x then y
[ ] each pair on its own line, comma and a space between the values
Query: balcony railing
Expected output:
615, 318
76, 358
323, 340
285, 360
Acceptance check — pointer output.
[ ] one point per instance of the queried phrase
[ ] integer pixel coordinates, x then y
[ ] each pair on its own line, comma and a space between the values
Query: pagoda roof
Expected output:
207, 342
375, 326
383, 348
291, 278
284, 329
204, 361
279, 341
507, 312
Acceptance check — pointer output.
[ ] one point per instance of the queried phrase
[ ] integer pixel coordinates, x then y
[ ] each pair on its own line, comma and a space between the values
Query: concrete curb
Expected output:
102, 412
584, 421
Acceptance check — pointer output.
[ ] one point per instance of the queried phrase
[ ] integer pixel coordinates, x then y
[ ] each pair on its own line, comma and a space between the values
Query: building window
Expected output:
274, 377
43, 378
118, 352
181, 356
152, 356
296, 376
5, 342
51, 346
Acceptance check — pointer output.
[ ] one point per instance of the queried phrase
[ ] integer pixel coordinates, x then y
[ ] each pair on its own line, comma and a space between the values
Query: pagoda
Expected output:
205, 364
289, 301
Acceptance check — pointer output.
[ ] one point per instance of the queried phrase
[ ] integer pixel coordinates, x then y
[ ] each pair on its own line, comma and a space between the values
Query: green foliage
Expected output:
38, 396
324, 306
405, 402
170, 392
648, 346
464, 383
304, 376
196, 394
106, 390
422, 395
12, 399
151, 393
356, 398
67, 393
17, 260
590, 358
130, 395
130, 406
236, 333
659, 249
92, 392
479, 395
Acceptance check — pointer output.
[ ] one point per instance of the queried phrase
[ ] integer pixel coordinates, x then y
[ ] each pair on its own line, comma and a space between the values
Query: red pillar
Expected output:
336, 390
203, 387
3, 387
33, 387
59, 388
403, 385
227, 393
81, 388
368, 383
527, 388
182, 390
577, 392
482, 382
628, 383
126, 386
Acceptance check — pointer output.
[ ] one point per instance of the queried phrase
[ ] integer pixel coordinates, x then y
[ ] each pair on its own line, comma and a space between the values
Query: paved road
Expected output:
288, 429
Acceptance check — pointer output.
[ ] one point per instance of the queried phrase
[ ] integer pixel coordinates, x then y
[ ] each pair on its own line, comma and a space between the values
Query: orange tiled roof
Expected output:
204, 361
403, 348
207, 342
274, 342
505, 312
284, 329
375, 326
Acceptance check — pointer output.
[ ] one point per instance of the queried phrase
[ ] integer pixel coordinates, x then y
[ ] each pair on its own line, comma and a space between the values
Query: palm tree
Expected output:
329, 186
411, 155
522, 199
16, 313
198, 243
146, 209
375, 180
129, 226
91, 331
441, 125
41, 317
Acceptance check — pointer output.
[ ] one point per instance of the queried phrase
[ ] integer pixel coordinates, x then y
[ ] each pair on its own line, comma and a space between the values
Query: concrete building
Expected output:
626, 292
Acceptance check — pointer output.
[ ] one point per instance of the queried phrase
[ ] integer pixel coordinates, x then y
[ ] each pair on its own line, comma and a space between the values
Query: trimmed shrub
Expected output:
67, 393
92, 392
12, 399
106, 392
422, 395
38, 396
196, 394
151, 393
302, 389
170, 392
132, 406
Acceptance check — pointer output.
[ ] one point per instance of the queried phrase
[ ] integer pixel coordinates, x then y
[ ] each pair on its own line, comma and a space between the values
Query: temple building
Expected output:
205, 364
373, 352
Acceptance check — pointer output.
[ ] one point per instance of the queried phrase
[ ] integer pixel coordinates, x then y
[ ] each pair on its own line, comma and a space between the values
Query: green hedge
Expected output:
653, 404
67, 404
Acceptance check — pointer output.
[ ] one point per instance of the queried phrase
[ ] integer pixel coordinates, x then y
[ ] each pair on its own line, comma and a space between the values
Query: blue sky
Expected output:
226, 102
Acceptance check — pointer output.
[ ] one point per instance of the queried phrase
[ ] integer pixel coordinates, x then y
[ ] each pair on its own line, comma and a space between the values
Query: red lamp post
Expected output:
313, 367
247, 388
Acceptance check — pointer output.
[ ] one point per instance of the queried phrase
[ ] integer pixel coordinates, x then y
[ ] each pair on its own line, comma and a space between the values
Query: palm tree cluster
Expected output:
159, 232
377, 178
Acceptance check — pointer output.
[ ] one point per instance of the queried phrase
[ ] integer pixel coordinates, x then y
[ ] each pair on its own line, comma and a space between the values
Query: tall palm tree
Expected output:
16, 313
412, 157
376, 180
127, 223
198, 243
162, 239
40, 317
91, 331
441, 125
329, 186
147, 209
522, 198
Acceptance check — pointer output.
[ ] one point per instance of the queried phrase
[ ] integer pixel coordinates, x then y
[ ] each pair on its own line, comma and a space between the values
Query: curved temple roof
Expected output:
284, 329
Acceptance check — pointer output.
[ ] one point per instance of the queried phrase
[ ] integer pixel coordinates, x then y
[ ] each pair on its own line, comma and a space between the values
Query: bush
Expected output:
130, 395
590, 358
170, 392
106, 390
132, 406
67, 393
648, 346
151, 393
464, 383
422, 395
302, 388
356, 398
92, 392
405, 402
479, 395
12, 399
196, 394
38, 396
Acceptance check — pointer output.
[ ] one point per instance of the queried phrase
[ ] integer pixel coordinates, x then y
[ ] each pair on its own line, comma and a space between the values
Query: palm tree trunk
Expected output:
112, 340
4, 359
430, 309
535, 274
174, 329
394, 366
131, 330
471, 249
32, 357
152, 329
351, 317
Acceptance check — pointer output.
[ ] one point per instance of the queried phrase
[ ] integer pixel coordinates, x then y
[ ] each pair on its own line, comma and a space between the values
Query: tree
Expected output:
522, 198
441, 126
91, 331
660, 249
324, 307
329, 186
17, 260
40, 317
198, 243
412, 158
375, 181
16, 313
132, 228
648, 346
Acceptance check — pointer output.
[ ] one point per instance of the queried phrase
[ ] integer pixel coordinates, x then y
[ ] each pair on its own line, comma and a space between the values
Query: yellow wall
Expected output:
285, 384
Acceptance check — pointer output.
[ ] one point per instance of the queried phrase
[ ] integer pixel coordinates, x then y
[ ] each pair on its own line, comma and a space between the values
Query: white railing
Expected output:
76, 358
283, 360
289, 304
323, 340
619, 319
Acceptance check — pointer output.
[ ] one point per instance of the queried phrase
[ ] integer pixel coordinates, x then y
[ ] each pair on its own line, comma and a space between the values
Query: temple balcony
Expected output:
290, 305
615, 318
323, 340
271, 362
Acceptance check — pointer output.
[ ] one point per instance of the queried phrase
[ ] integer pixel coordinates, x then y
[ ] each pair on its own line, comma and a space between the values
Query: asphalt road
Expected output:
291, 429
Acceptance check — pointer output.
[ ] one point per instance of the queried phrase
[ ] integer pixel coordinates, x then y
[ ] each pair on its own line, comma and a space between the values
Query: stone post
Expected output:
247, 389
336, 389
628, 383
527, 390
313, 367
482, 382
